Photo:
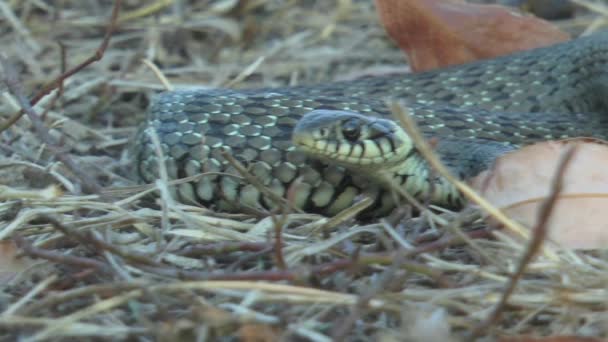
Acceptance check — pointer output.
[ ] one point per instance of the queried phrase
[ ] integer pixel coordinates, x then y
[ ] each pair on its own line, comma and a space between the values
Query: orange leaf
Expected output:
10, 265
258, 333
521, 180
438, 33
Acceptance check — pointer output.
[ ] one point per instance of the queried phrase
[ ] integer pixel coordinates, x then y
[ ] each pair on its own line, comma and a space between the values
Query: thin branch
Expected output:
59, 80
223, 248
58, 257
98, 244
302, 274
279, 224
11, 80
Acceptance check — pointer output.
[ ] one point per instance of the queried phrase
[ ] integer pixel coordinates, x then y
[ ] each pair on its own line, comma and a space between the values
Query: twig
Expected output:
249, 257
535, 243
98, 244
12, 82
223, 248
450, 240
278, 224
302, 275
59, 80
59, 258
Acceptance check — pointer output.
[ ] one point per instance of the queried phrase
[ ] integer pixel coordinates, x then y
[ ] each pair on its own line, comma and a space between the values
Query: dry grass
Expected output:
112, 266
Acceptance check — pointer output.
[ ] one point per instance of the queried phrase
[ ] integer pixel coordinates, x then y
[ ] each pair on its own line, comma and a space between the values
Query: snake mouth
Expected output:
351, 139
365, 153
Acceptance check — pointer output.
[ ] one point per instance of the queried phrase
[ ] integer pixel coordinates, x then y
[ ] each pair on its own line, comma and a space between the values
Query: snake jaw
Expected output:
353, 140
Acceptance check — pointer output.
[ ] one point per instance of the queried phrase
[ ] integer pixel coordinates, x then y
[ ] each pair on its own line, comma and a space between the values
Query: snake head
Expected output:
351, 139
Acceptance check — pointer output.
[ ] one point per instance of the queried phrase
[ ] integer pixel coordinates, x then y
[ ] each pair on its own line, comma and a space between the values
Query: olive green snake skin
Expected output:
475, 111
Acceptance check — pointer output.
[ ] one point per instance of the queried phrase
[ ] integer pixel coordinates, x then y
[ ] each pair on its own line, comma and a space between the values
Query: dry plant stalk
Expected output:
194, 271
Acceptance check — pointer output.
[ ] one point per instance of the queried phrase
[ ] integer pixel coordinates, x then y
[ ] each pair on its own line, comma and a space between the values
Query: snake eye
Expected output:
351, 130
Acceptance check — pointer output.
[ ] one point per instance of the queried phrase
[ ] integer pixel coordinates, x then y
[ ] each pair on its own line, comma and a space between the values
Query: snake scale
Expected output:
475, 111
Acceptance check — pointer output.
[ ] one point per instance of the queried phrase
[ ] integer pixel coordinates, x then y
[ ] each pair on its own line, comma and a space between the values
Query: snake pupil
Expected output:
351, 130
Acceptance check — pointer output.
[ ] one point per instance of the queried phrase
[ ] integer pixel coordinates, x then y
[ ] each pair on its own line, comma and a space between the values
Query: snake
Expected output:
323, 147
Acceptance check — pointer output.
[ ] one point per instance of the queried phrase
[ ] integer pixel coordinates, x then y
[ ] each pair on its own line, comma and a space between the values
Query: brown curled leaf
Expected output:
438, 33
520, 182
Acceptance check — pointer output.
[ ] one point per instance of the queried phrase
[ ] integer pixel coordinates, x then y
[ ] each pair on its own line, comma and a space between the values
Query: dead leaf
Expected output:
521, 180
49, 193
438, 33
258, 333
10, 265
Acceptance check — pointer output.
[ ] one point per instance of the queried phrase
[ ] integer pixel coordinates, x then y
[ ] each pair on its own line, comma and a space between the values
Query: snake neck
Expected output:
415, 176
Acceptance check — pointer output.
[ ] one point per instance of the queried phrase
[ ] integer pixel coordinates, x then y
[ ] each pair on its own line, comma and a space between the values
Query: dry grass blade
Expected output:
55, 330
43, 285
135, 263
345, 215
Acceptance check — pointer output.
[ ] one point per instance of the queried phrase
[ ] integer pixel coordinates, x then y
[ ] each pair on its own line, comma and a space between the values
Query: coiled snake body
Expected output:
476, 112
